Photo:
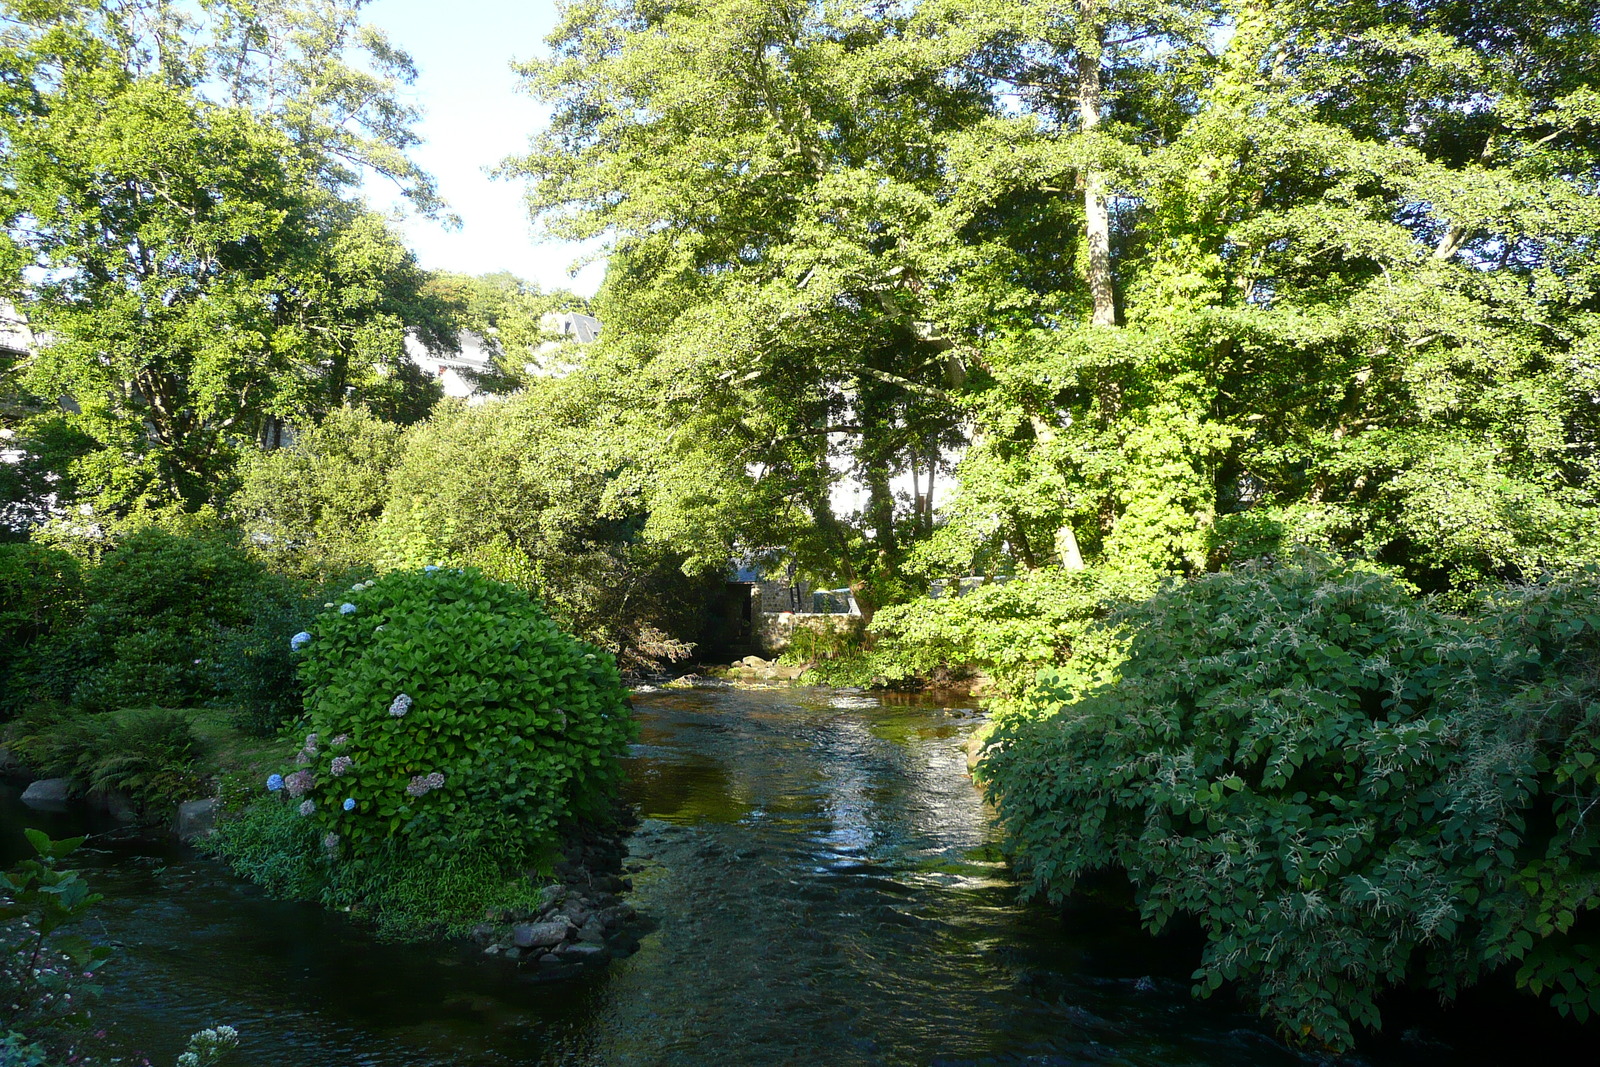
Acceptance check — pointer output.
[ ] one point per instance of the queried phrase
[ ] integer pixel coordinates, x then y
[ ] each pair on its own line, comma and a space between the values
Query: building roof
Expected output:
573, 326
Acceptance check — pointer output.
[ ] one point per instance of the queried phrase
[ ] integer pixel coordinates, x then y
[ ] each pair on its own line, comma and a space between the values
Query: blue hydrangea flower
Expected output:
430, 568
299, 641
347, 608
349, 803
274, 782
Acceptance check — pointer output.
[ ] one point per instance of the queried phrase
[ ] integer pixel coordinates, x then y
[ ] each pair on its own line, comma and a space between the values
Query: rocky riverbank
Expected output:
582, 922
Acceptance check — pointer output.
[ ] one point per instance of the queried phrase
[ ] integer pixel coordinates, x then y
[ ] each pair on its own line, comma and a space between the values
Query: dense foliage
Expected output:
1344, 787
40, 592
154, 609
454, 730
1171, 282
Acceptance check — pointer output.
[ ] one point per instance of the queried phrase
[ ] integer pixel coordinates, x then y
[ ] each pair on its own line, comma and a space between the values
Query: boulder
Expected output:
48, 793
196, 818
539, 935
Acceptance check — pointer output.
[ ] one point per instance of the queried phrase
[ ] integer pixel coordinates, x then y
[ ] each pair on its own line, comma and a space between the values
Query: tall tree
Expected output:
189, 263
763, 184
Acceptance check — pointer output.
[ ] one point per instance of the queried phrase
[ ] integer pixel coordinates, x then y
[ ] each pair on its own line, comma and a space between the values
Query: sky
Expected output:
474, 115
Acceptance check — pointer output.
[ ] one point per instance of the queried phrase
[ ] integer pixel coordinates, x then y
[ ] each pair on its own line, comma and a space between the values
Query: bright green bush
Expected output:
1009, 630
448, 715
1345, 788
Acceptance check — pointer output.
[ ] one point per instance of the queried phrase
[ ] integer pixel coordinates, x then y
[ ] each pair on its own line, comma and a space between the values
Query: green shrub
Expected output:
256, 670
41, 593
1008, 630
156, 603
451, 723
1345, 788
273, 846
270, 843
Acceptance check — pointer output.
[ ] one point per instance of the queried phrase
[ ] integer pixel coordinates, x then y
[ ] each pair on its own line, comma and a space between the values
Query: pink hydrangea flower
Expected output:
299, 783
424, 783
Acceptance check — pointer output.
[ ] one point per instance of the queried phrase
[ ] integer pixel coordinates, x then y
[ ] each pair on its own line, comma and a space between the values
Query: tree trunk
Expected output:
1096, 213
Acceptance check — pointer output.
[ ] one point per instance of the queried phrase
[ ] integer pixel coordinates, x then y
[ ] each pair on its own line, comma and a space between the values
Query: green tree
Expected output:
539, 490
764, 184
189, 261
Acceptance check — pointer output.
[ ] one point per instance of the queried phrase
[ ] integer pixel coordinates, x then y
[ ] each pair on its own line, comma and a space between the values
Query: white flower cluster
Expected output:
401, 705
209, 1046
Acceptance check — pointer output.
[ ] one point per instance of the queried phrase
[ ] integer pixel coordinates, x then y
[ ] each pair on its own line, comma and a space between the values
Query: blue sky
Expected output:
475, 116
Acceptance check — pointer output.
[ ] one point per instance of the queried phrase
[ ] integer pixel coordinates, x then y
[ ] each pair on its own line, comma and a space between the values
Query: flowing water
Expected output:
825, 886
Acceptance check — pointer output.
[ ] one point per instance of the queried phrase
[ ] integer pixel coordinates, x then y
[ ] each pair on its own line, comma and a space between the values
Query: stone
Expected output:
48, 793
550, 894
196, 818
549, 959
539, 935
117, 805
593, 930
584, 951
513, 953
482, 932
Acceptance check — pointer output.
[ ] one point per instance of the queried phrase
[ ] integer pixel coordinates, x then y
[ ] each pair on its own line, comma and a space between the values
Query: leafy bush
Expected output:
1346, 788
537, 492
452, 725
1008, 630
156, 603
41, 592
150, 754
270, 843
824, 639
312, 508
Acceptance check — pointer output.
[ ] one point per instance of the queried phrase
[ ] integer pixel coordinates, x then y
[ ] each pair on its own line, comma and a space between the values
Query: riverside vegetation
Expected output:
1255, 344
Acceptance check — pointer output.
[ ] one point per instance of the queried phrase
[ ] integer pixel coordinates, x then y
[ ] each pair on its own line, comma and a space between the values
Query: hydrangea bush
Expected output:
448, 714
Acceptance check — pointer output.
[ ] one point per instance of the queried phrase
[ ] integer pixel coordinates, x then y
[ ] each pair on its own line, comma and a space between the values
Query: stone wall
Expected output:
775, 630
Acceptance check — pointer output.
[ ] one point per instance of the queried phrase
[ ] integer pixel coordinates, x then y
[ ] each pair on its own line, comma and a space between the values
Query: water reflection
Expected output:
826, 886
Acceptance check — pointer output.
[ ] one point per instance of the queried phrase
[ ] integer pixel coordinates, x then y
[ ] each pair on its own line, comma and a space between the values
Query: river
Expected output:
825, 887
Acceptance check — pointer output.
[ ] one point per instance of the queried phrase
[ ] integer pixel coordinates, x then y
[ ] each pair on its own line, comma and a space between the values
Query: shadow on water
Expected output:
826, 887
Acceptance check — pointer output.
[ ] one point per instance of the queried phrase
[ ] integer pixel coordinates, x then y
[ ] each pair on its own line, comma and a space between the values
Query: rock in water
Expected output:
197, 818
48, 793
538, 935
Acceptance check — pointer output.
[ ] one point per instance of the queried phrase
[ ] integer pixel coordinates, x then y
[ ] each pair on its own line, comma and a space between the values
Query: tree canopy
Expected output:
1175, 282
178, 234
